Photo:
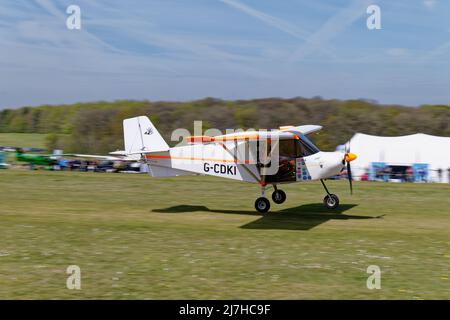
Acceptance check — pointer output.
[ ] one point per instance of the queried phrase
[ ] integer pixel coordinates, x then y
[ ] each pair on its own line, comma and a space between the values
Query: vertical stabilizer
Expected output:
141, 136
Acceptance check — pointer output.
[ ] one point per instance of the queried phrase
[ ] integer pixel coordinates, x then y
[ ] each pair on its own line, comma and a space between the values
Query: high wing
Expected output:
285, 132
305, 129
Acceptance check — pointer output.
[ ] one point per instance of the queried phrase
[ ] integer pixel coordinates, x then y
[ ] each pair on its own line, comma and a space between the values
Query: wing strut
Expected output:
243, 164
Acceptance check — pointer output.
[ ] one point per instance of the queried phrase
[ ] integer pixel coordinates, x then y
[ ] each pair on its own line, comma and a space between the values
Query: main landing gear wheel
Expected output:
331, 201
279, 196
262, 205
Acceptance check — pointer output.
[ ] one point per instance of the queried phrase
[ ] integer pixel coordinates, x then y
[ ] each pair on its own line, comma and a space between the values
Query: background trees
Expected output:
97, 127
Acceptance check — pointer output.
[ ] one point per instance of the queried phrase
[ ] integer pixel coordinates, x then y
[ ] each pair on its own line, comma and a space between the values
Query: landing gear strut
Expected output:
331, 201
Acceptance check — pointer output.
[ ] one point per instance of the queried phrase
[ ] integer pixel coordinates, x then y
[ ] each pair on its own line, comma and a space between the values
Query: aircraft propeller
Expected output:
349, 157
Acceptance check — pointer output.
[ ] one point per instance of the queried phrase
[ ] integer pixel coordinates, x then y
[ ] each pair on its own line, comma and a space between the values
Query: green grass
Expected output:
199, 237
26, 140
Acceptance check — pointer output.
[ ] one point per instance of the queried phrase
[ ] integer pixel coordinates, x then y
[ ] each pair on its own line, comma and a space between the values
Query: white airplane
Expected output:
273, 157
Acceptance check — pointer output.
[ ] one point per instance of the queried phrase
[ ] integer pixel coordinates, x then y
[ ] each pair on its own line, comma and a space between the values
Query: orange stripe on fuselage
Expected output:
154, 156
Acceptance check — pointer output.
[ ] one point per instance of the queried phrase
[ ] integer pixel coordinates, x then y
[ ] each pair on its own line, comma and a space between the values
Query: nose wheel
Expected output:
331, 201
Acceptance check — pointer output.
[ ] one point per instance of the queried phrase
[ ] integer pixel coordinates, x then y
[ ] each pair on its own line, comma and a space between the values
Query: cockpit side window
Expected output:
292, 148
289, 148
296, 148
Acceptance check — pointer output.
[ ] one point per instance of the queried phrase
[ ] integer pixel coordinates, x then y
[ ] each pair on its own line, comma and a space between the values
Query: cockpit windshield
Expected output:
310, 147
296, 148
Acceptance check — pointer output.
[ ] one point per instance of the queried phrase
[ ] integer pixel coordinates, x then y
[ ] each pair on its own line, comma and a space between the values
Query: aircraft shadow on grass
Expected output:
304, 217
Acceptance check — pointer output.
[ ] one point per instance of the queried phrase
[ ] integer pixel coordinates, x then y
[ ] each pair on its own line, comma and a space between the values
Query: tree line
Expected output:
97, 127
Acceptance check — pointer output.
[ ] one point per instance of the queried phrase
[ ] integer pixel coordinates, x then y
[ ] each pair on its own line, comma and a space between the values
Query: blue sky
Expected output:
230, 49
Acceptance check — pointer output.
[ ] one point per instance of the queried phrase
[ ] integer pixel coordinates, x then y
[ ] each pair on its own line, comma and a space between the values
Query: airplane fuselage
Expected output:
210, 159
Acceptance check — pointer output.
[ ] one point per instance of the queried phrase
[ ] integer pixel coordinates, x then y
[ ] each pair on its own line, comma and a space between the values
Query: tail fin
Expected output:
141, 136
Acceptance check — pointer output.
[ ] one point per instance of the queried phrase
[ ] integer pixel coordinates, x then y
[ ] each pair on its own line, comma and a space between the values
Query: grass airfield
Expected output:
36, 140
136, 237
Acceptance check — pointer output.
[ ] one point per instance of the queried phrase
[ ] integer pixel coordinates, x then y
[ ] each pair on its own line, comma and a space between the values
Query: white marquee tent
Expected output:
402, 151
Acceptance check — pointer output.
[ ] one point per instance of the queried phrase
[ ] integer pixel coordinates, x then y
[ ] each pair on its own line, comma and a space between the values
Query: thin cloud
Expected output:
439, 51
430, 4
277, 23
268, 19
397, 52
49, 7
331, 28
